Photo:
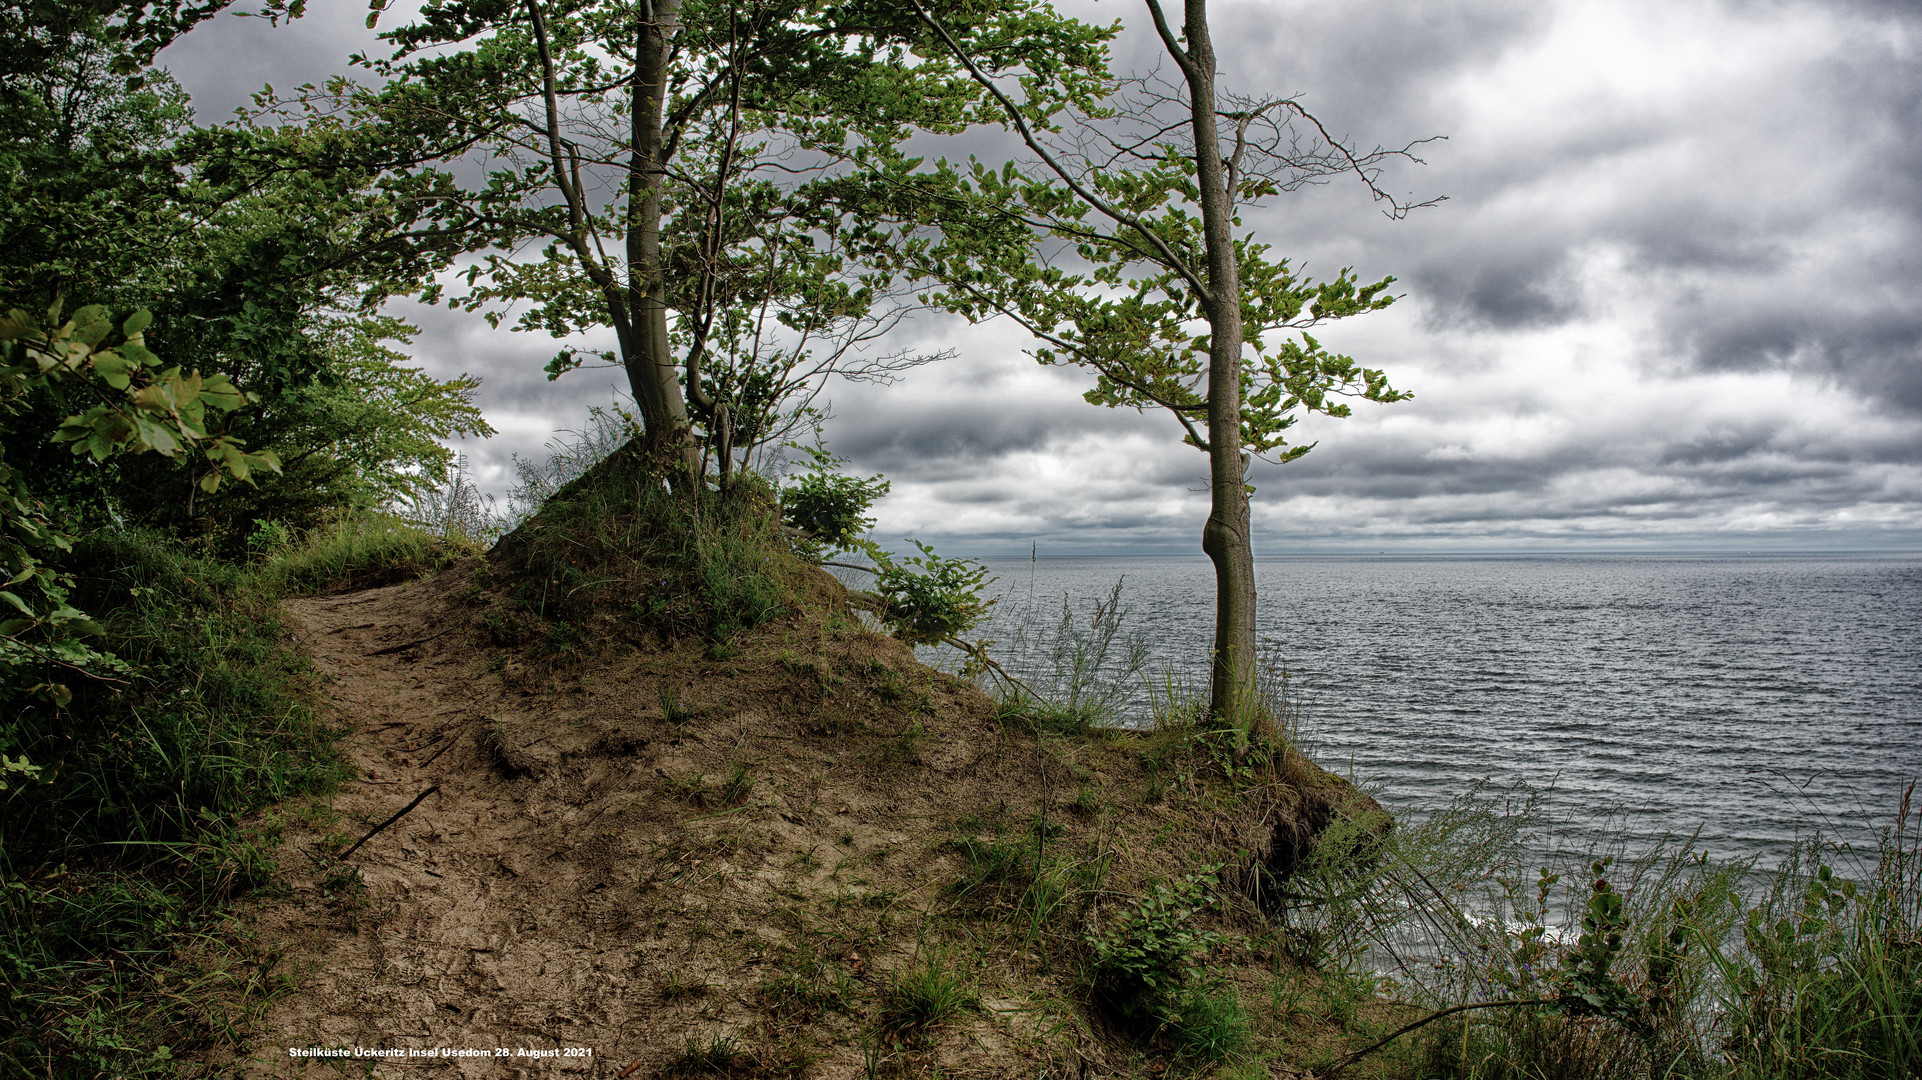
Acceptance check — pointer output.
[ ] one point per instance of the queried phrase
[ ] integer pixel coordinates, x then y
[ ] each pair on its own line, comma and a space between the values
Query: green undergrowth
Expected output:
122, 852
1677, 966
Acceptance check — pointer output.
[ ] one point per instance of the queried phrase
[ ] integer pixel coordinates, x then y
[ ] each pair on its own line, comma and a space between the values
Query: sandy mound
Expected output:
663, 862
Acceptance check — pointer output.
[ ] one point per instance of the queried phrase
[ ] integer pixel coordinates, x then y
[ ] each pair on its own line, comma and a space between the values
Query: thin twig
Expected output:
442, 750
1346, 1060
375, 831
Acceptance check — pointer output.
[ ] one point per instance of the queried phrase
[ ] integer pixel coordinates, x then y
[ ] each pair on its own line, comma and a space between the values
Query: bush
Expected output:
828, 507
1141, 963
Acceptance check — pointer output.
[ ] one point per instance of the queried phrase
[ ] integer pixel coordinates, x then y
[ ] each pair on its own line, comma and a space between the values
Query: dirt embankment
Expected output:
687, 860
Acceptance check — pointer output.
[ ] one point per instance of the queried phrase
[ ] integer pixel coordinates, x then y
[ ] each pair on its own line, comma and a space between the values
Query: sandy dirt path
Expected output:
484, 923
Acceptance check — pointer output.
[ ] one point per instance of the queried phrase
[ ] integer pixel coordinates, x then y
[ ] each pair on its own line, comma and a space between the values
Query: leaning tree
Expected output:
1141, 269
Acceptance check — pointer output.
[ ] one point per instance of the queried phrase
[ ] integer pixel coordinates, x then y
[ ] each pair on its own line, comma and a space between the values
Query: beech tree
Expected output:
721, 182
1140, 269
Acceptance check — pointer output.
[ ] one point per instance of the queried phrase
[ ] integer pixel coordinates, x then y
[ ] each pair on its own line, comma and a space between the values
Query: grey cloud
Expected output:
1364, 67
1779, 236
225, 64
1755, 194
921, 434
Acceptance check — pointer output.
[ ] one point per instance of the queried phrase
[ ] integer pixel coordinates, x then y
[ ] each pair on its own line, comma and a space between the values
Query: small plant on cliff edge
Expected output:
1141, 961
924, 599
1589, 985
828, 507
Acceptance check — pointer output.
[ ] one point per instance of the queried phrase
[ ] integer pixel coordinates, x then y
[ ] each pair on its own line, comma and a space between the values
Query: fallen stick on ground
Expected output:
450, 742
376, 829
410, 644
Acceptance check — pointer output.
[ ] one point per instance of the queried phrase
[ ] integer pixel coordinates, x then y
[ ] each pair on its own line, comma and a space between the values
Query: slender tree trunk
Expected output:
1226, 536
648, 358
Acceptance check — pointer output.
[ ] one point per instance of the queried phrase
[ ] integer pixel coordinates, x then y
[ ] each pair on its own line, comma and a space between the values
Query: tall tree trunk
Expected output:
648, 358
1226, 536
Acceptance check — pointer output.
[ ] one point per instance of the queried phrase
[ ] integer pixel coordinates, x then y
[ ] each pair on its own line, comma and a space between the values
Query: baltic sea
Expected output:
1751, 698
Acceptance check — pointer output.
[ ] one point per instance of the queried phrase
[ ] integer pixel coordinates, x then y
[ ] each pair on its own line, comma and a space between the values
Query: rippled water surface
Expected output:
1749, 697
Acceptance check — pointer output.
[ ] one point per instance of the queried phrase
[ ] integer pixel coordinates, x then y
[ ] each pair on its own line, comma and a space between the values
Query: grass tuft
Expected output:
715, 1055
923, 998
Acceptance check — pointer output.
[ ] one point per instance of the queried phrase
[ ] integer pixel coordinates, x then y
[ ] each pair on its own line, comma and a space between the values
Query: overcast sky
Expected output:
1673, 299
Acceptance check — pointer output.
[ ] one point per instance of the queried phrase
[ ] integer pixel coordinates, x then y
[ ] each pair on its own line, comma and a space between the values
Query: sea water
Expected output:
1748, 700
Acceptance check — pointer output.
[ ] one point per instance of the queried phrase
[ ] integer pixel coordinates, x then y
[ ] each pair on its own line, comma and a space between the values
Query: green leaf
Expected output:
91, 325
137, 322
15, 601
112, 367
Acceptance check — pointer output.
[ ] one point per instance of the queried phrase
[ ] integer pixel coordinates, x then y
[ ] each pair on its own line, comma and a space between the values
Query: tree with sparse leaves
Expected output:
1139, 268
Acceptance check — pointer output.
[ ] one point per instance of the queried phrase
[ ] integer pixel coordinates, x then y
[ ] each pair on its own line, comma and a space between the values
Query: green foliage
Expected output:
1828, 981
929, 599
829, 507
366, 432
123, 855
1143, 334
136, 406
1668, 964
243, 243
924, 599
1590, 986
1140, 962
1105, 259
765, 257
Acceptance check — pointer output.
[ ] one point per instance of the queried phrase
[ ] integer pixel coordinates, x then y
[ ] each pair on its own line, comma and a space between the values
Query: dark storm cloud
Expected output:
965, 431
1786, 223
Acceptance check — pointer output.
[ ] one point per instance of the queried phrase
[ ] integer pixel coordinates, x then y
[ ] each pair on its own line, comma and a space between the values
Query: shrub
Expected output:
1142, 961
828, 507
